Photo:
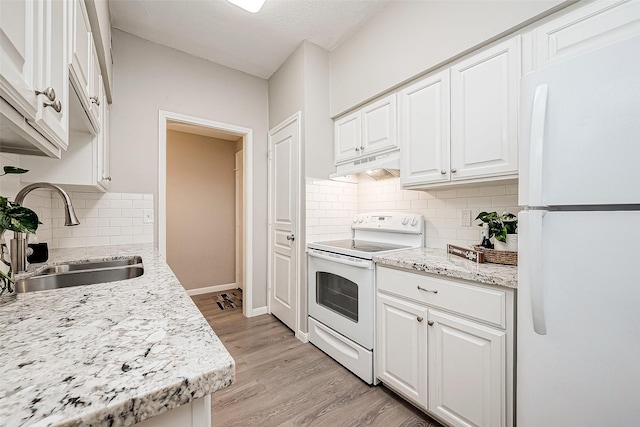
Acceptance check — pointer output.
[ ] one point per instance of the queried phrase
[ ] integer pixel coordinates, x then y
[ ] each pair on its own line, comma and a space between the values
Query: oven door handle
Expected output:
360, 264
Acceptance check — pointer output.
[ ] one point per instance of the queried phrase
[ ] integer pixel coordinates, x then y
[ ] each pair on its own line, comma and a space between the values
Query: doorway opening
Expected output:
201, 233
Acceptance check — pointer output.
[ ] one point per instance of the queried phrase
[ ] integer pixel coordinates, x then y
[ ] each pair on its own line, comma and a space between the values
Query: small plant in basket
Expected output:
499, 225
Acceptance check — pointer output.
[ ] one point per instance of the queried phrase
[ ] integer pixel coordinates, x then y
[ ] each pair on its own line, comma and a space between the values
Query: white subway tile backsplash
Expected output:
442, 208
105, 219
121, 204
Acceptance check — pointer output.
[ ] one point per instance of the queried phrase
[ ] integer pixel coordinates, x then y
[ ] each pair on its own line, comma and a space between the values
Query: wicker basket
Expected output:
498, 257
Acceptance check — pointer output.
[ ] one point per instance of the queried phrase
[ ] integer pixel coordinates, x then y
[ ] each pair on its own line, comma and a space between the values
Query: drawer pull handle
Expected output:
430, 322
435, 291
419, 319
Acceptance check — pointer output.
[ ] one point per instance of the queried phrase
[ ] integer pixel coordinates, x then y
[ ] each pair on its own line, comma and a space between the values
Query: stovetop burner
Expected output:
361, 245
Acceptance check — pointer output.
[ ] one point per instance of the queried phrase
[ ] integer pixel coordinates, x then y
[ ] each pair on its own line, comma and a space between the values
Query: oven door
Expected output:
341, 295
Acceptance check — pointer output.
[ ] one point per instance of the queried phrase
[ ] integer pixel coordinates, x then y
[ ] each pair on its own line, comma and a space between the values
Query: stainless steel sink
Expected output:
88, 273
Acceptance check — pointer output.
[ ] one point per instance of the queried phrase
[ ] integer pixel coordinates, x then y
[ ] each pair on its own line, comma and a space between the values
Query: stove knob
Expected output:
414, 221
360, 218
405, 220
355, 219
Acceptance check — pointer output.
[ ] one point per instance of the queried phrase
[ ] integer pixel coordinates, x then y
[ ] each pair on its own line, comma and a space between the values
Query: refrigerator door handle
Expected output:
536, 274
536, 148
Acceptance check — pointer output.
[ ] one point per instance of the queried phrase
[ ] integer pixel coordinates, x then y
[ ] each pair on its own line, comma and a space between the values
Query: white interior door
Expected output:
239, 220
284, 149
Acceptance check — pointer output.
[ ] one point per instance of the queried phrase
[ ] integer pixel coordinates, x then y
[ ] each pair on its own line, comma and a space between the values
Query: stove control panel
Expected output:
402, 222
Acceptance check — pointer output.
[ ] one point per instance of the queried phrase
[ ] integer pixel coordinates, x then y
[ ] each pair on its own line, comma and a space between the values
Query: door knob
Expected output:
48, 92
56, 105
95, 100
291, 237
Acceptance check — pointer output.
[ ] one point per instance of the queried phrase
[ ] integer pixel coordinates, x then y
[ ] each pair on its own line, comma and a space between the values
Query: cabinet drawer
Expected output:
476, 301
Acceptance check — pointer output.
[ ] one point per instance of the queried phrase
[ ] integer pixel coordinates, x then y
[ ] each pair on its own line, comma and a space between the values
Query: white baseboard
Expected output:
303, 336
258, 311
209, 289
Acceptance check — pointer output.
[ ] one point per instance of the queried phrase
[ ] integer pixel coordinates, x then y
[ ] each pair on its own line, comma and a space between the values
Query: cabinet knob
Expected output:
357, 149
291, 237
361, 148
95, 100
48, 92
454, 170
420, 288
107, 178
430, 322
443, 172
56, 105
419, 319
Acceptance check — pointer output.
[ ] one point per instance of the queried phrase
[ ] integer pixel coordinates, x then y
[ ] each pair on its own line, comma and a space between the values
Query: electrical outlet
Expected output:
465, 218
147, 216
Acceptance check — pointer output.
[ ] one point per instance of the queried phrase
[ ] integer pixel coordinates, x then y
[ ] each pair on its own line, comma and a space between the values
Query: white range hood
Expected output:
390, 161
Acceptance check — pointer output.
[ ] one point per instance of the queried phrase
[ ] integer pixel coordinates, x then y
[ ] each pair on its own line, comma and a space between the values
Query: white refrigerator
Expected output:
578, 330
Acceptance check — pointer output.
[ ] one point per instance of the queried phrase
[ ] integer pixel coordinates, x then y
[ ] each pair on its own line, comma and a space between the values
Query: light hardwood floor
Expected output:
281, 381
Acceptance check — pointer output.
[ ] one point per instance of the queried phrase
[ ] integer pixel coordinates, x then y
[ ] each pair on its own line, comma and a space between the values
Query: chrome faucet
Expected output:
19, 243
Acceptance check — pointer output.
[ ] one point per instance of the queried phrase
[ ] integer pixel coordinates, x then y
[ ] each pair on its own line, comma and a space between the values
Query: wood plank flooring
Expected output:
281, 381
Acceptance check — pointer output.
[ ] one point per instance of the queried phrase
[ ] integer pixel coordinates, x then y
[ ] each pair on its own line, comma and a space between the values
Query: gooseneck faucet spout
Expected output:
18, 243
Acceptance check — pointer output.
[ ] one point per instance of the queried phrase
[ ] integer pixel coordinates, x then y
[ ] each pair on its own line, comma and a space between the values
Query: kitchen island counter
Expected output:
110, 354
436, 261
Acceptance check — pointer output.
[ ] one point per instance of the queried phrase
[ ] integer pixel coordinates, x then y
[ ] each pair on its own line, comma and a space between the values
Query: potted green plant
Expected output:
13, 217
502, 228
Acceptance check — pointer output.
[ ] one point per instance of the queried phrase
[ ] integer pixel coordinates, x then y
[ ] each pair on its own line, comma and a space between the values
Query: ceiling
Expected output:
256, 44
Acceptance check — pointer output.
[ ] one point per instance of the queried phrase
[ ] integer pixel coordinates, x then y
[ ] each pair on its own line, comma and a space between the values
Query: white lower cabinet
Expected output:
402, 347
467, 371
453, 363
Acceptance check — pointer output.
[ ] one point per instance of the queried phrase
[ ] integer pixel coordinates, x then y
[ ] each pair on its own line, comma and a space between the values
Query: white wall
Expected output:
302, 84
409, 38
148, 78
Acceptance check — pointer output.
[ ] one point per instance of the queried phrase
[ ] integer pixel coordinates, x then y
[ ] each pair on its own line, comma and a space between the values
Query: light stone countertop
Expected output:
108, 354
436, 261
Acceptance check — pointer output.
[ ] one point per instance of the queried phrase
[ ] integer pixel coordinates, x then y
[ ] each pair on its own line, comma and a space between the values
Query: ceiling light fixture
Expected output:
252, 6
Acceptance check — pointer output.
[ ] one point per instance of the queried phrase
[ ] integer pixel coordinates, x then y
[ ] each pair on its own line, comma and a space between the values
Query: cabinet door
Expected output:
484, 113
53, 71
96, 89
347, 137
18, 54
424, 131
467, 371
401, 348
104, 174
81, 53
587, 28
379, 126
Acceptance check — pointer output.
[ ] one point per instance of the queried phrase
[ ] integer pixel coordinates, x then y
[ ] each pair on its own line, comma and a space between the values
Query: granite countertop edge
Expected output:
111, 354
436, 261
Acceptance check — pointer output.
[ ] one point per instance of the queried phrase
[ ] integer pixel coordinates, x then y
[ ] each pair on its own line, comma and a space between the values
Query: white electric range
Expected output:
341, 279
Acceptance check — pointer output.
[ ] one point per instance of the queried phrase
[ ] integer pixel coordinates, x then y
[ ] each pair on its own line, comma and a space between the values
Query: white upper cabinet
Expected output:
84, 70
589, 27
425, 131
461, 124
19, 51
379, 131
484, 113
368, 131
85, 164
347, 137
33, 77
54, 72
